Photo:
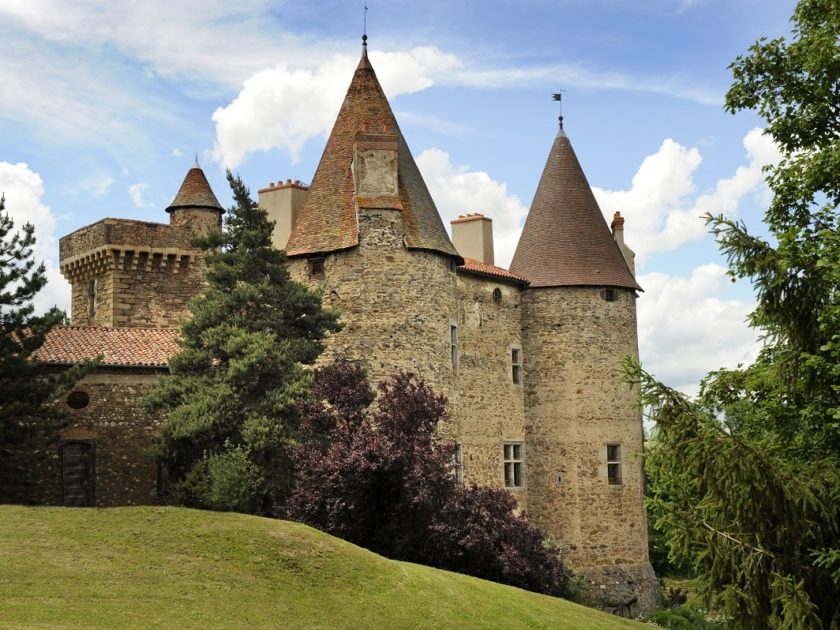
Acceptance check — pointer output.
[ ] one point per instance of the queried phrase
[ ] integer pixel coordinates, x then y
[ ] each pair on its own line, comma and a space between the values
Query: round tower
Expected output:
583, 430
196, 205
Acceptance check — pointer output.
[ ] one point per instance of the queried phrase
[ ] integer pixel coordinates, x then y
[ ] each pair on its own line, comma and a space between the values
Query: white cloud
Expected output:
458, 190
176, 152
136, 193
689, 326
662, 207
283, 108
24, 189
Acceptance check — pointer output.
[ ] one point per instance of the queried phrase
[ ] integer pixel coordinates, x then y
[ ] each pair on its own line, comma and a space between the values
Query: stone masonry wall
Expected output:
576, 406
115, 421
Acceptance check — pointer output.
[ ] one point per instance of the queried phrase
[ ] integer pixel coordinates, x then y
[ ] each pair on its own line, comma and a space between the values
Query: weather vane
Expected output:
364, 29
559, 98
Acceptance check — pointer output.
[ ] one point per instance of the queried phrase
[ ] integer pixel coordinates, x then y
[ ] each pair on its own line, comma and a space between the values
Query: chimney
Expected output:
282, 203
472, 236
617, 227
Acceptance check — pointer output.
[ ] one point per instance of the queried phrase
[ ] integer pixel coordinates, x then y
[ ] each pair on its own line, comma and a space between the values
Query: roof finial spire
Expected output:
364, 29
559, 98
196, 165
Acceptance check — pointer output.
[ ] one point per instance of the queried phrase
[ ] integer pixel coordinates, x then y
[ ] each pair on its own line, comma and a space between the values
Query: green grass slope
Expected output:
177, 568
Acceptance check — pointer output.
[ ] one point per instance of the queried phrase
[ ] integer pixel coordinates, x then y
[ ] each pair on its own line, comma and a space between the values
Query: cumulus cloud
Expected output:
663, 207
458, 190
689, 326
136, 193
280, 107
24, 189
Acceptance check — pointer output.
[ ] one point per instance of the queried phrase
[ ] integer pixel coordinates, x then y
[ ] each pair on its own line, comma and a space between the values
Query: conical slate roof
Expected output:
566, 241
328, 219
195, 192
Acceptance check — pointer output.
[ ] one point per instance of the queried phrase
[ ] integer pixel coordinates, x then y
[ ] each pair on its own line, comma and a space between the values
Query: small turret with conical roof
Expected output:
195, 204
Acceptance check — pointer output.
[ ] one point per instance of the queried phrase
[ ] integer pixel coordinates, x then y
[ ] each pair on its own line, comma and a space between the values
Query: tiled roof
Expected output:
471, 265
195, 192
566, 241
328, 219
137, 347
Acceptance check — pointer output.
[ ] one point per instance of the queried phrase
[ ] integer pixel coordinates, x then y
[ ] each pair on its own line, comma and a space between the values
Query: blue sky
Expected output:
105, 105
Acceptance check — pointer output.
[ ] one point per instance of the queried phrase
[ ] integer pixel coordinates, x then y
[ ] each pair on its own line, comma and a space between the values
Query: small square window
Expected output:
516, 365
514, 465
316, 268
614, 464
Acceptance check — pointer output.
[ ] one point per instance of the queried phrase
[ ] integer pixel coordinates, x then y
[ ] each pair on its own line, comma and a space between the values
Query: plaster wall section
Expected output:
576, 406
487, 404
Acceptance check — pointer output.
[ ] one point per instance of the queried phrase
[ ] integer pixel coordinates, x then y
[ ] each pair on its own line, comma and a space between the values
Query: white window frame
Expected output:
614, 463
513, 462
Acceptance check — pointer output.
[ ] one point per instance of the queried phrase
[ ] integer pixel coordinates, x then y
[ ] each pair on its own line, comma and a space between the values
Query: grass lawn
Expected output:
148, 567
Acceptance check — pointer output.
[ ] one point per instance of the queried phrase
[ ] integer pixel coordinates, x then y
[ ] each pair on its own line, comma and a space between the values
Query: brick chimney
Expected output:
617, 227
282, 203
472, 236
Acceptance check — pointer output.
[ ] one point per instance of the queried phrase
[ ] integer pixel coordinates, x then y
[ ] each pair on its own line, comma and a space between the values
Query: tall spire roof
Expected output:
195, 192
566, 241
328, 220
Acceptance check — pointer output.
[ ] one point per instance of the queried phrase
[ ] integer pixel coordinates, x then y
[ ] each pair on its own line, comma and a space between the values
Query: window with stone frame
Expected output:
458, 463
614, 464
453, 344
514, 464
316, 268
516, 365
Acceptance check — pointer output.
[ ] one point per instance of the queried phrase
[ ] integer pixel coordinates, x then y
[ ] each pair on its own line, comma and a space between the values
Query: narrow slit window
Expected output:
453, 344
458, 463
516, 365
514, 465
614, 464
91, 297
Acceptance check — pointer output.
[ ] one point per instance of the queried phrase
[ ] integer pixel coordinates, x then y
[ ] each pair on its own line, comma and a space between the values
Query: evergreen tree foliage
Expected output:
381, 477
747, 488
231, 394
26, 385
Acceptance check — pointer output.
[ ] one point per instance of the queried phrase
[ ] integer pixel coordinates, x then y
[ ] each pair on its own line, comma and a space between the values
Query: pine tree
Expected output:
232, 391
27, 386
747, 483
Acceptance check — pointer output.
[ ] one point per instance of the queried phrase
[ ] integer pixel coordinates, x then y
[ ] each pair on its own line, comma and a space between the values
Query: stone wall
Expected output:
116, 424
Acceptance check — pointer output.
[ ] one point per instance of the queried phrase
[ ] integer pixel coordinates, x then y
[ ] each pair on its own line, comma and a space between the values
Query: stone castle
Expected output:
528, 357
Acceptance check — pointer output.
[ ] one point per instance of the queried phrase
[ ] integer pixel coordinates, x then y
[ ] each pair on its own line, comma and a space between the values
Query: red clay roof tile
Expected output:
471, 265
195, 192
124, 347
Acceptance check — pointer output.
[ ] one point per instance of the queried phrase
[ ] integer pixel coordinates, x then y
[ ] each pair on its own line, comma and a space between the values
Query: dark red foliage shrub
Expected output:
382, 478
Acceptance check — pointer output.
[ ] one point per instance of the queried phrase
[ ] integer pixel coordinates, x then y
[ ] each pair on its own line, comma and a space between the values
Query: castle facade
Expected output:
528, 357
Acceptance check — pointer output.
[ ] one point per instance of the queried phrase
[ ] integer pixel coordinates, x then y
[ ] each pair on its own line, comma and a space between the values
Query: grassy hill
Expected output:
178, 568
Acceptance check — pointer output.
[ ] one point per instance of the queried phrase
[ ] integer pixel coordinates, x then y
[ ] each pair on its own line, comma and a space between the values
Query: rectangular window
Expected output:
614, 464
316, 268
516, 365
453, 344
514, 465
458, 463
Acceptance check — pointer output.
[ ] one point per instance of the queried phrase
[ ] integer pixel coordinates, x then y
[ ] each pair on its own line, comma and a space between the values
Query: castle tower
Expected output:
127, 273
582, 429
370, 237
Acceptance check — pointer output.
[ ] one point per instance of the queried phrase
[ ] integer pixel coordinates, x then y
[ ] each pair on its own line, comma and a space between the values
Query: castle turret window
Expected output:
316, 268
516, 365
91, 296
453, 344
514, 464
614, 464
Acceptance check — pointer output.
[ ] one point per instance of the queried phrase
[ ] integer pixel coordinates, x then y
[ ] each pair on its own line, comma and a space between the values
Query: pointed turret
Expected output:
195, 193
566, 241
365, 132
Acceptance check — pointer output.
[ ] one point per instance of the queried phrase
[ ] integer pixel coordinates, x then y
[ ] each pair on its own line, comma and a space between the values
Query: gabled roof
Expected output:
479, 268
328, 220
566, 241
195, 192
119, 347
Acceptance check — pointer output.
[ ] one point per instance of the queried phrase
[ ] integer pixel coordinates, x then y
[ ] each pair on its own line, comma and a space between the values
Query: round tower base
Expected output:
626, 590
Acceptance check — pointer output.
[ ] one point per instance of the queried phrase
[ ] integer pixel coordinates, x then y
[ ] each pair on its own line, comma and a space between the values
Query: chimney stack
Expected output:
472, 236
282, 203
617, 227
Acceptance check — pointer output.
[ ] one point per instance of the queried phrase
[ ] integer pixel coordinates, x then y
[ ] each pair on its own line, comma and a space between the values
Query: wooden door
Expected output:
78, 473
